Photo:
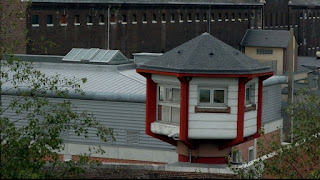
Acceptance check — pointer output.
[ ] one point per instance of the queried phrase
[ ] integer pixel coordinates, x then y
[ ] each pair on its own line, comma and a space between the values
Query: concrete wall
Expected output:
277, 55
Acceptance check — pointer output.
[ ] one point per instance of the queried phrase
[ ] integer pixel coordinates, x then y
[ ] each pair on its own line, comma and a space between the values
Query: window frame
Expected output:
169, 103
264, 51
212, 103
63, 20
35, 20
49, 17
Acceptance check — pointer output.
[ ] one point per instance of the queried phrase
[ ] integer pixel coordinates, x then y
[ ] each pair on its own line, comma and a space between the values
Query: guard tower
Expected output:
204, 97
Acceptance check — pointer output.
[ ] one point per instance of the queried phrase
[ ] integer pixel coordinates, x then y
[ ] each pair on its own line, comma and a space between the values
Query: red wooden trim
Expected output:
240, 116
202, 75
184, 112
259, 111
206, 160
151, 110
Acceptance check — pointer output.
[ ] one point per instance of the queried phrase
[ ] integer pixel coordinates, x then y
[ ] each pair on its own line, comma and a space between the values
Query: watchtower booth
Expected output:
204, 97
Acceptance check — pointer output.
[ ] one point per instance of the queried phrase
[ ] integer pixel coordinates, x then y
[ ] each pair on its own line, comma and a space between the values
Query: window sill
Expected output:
77, 24
100, 23
212, 109
35, 25
63, 24
89, 24
49, 25
250, 107
134, 22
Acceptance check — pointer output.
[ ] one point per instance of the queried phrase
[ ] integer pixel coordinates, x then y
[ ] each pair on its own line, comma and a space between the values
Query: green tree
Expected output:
30, 124
299, 159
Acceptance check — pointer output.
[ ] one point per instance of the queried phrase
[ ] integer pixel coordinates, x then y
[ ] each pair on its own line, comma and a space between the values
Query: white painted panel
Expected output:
193, 95
250, 122
249, 131
191, 109
233, 88
212, 125
193, 102
212, 117
212, 134
250, 115
232, 102
273, 126
163, 79
234, 110
213, 81
193, 87
233, 95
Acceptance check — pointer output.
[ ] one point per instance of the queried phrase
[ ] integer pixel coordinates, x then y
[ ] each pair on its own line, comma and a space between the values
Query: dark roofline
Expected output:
204, 72
168, 2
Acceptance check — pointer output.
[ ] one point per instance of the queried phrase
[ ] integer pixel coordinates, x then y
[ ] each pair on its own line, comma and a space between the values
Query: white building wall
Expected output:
250, 117
213, 125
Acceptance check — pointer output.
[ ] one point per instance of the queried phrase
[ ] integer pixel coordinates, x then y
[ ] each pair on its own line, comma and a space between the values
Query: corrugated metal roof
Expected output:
205, 54
304, 2
266, 38
96, 55
198, 2
101, 79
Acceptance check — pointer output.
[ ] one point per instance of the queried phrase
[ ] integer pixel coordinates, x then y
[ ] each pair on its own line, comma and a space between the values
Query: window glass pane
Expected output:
204, 95
161, 93
35, 19
76, 19
49, 19
168, 94
159, 112
176, 95
175, 115
218, 96
247, 94
101, 19
165, 113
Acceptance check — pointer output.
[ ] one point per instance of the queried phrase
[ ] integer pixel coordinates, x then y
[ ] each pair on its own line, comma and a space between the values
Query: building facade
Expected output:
134, 26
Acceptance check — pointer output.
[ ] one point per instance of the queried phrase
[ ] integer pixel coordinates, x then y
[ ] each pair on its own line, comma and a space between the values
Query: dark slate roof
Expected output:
205, 2
205, 54
266, 38
304, 2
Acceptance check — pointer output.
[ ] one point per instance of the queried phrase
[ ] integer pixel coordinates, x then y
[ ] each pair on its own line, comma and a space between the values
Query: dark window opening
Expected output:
219, 18
189, 17
101, 19
205, 17
124, 18
227, 16
154, 18
172, 18
89, 19
197, 17
144, 18
163, 18
134, 18
35, 19
112, 18
63, 19
49, 19
77, 19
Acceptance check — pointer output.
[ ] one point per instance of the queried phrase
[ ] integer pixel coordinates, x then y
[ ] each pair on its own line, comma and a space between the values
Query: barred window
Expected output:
264, 51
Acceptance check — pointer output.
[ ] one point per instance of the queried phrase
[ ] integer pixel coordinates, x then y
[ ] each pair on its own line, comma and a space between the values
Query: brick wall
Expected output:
128, 37
13, 26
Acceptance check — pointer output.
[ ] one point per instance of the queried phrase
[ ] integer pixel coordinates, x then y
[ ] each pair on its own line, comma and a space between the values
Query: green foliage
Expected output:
26, 149
301, 157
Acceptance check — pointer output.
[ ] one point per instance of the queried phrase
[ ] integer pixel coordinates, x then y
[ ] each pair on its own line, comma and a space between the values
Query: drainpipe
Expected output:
190, 158
108, 46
